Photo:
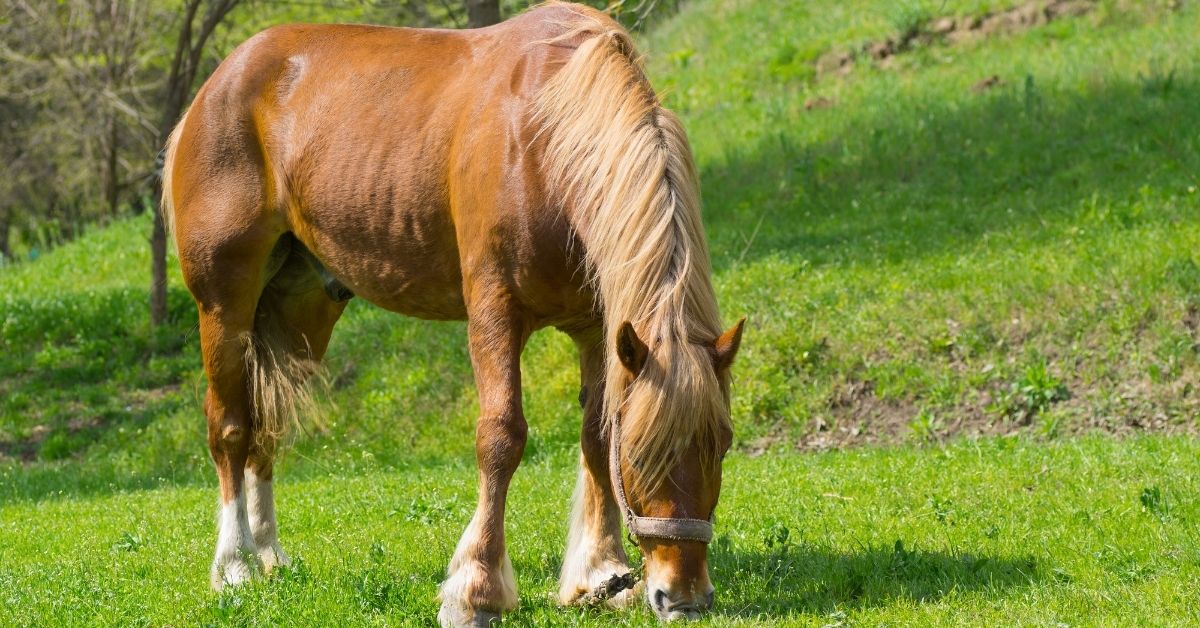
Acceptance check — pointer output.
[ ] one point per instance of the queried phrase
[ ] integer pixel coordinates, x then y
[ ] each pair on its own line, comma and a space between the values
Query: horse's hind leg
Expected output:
225, 239
595, 553
226, 276
294, 321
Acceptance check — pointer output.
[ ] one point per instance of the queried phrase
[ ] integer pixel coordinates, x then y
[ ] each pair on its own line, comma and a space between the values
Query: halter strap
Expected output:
650, 527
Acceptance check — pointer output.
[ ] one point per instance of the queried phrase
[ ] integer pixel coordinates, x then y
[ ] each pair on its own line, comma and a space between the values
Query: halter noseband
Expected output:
650, 527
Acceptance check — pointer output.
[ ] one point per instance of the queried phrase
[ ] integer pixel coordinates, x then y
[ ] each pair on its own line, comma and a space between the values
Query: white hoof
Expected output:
273, 556
233, 570
454, 614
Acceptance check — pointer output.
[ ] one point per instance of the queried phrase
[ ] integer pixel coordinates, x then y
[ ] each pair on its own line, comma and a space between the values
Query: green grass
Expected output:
971, 283
937, 242
998, 532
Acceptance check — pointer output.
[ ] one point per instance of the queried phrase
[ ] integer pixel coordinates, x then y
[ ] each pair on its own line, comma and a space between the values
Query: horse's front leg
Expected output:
480, 583
595, 553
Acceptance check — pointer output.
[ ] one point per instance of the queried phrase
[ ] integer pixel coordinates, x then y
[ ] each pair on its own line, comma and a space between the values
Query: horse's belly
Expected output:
407, 264
408, 287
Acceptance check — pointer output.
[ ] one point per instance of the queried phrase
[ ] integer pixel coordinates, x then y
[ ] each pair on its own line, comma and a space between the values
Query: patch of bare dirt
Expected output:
1118, 401
1191, 320
952, 30
820, 102
987, 83
1133, 408
25, 448
855, 415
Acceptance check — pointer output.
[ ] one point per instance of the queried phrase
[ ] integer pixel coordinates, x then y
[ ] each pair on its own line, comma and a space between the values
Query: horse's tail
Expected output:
166, 205
281, 373
622, 167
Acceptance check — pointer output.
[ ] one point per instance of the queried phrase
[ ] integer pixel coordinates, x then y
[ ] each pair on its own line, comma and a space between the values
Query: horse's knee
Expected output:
500, 440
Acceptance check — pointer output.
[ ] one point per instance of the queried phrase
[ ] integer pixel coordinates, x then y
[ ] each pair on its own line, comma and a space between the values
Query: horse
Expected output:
519, 176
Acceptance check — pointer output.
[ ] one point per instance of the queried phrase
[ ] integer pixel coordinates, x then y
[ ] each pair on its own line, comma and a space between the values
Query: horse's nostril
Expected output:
708, 599
660, 599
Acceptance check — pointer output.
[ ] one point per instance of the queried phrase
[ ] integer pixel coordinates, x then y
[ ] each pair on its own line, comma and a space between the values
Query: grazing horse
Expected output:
519, 176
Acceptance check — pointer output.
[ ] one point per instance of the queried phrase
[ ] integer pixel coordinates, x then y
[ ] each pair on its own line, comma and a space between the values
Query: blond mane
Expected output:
623, 165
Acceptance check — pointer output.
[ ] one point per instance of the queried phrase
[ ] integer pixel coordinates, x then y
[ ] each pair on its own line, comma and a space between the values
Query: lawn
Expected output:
988, 532
968, 392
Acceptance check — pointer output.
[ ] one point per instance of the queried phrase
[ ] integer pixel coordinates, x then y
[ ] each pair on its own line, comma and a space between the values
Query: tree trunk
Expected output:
482, 13
158, 237
111, 184
5, 244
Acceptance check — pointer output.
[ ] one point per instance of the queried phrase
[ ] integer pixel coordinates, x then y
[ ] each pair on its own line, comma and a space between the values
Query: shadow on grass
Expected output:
789, 579
81, 363
925, 177
88, 385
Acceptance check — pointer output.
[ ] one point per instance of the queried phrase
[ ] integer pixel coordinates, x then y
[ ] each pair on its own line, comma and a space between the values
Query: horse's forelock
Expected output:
678, 400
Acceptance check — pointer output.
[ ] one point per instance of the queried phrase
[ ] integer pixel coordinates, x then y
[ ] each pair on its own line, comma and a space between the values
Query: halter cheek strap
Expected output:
650, 527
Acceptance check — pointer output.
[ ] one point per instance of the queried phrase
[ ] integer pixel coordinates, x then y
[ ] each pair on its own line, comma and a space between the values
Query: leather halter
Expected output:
650, 527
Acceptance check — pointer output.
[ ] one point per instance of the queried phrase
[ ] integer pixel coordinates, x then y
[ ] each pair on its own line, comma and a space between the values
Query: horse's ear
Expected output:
630, 349
725, 347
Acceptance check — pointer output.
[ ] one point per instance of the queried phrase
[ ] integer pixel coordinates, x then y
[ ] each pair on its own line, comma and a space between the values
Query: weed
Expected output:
427, 513
1035, 391
943, 509
129, 542
1157, 83
926, 426
1049, 424
1154, 501
778, 538
908, 17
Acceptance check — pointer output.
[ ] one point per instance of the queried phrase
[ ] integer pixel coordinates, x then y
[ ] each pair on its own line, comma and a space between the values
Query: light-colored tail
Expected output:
167, 203
282, 378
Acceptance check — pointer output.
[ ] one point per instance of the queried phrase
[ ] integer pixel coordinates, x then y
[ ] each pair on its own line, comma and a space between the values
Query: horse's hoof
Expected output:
273, 556
232, 573
456, 615
627, 598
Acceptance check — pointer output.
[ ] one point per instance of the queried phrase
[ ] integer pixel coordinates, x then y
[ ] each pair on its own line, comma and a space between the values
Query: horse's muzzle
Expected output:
670, 609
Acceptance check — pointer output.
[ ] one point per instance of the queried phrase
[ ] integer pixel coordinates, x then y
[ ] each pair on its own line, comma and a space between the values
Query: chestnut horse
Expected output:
519, 176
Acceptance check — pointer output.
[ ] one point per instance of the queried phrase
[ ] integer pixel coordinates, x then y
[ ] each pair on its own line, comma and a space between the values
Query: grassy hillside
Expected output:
975, 253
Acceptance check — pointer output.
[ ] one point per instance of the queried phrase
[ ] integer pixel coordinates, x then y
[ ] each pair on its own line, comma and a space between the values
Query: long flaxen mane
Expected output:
622, 164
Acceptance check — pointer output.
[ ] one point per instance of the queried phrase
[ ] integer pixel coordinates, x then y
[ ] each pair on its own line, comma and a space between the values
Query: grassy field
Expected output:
968, 391
995, 532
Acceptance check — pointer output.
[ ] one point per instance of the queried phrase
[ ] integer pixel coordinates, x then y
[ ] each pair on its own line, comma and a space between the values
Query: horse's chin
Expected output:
683, 615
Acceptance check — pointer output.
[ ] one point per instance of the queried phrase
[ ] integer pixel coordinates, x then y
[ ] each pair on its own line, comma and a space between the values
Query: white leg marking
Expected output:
468, 578
261, 505
236, 560
594, 550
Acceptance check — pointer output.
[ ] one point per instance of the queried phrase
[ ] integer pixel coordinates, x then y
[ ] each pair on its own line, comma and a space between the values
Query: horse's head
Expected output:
674, 429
